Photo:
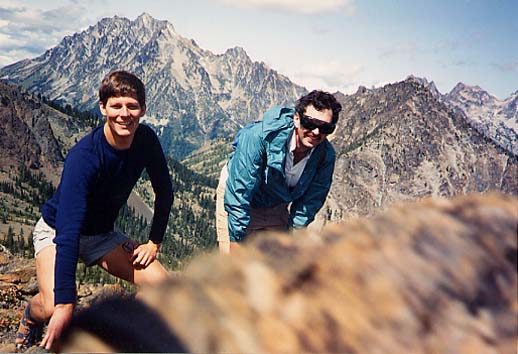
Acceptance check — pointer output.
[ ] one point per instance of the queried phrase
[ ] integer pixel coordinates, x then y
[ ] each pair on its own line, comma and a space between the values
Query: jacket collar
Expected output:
277, 130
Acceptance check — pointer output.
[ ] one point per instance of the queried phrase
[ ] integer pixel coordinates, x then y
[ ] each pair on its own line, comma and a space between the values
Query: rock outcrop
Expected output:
18, 284
399, 142
438, 276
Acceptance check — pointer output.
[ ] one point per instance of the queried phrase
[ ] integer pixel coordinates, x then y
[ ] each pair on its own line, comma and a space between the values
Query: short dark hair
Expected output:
122, 83
320, 100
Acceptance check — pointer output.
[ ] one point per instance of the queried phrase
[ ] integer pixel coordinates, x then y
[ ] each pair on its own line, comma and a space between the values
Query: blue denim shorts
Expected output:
91, 248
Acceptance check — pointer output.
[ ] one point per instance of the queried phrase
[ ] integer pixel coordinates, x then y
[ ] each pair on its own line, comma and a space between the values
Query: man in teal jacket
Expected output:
285, 158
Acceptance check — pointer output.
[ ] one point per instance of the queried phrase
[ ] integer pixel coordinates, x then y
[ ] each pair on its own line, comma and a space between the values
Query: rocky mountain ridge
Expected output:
496, 119
31, 132
193, 95
399, 142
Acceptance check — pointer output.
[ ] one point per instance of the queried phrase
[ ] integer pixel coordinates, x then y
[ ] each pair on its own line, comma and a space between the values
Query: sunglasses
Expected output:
310, 123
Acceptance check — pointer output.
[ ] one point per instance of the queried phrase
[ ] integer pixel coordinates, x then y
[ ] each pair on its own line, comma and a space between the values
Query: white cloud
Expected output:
301, 6
27, 31
13, 55
330, 76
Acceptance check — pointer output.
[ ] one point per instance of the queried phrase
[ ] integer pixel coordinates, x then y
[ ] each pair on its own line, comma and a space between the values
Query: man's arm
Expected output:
244, 176
304, 209
59, 320
76, 179
158, 172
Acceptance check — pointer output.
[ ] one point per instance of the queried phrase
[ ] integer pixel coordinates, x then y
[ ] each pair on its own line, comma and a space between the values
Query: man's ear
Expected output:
296, 120
144, 109
102, 108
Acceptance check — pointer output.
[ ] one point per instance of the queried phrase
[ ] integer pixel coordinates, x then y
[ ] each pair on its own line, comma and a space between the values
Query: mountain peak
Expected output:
145, 17
474, 93
463, 87
148, 21
236, 52
237, 55
429, 85
184, 81
421, 80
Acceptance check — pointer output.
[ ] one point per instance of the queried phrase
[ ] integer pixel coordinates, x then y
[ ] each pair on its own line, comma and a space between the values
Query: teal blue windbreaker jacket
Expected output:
259, 182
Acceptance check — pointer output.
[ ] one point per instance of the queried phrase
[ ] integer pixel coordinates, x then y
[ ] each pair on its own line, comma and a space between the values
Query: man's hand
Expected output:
145, 254
59, 320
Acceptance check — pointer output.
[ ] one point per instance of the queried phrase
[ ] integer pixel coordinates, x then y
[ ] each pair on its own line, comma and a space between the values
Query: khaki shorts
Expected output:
272, 218
91, 248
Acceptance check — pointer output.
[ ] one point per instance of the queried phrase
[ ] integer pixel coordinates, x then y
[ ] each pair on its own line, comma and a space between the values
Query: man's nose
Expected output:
124, 111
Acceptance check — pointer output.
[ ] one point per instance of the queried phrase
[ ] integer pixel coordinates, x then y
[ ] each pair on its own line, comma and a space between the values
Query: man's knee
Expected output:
155, 273
42, 307
48, 309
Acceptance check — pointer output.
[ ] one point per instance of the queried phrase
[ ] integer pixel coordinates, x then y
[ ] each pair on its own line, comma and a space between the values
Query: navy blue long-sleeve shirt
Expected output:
96, 182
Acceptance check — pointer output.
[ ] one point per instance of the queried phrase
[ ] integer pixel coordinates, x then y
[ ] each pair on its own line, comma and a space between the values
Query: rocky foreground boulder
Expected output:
438, 276
18, 284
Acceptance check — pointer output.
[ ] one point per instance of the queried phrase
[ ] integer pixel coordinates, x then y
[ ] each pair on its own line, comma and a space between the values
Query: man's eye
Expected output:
116, 106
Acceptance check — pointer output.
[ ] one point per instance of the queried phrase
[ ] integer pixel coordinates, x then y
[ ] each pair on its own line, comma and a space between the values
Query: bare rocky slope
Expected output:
496, 119
399, 142
34, 138
31, 132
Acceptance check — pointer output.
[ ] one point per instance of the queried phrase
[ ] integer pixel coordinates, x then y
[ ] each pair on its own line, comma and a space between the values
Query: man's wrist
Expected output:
65, 306
156, 245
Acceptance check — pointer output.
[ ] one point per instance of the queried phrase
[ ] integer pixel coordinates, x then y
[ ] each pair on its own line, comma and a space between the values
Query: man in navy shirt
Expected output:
78, 221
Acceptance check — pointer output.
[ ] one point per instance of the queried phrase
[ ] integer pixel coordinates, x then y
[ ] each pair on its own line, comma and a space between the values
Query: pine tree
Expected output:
22, 246
9, 239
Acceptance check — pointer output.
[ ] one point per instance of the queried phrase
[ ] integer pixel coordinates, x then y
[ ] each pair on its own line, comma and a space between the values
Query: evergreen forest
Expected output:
191, 227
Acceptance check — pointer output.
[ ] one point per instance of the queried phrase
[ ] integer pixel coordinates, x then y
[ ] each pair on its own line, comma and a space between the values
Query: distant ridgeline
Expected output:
36, 134
400, 142
193, 95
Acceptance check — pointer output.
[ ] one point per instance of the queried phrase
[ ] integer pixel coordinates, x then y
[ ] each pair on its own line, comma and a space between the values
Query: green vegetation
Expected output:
191, 226
209, 159
357, 144
17, 243
29, 189
86, 119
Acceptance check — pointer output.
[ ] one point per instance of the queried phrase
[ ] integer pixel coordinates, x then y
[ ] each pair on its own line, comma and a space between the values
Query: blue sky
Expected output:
328, 44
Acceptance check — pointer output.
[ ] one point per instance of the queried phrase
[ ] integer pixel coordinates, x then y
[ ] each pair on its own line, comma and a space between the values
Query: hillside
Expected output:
209, 159
34, 138
399, 142
496, 119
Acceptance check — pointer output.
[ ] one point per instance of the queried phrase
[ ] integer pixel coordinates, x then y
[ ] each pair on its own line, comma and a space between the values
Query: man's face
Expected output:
311, 138
122, 115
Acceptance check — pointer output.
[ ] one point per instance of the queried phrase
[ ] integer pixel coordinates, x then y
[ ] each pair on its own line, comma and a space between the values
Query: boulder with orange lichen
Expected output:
437, 276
